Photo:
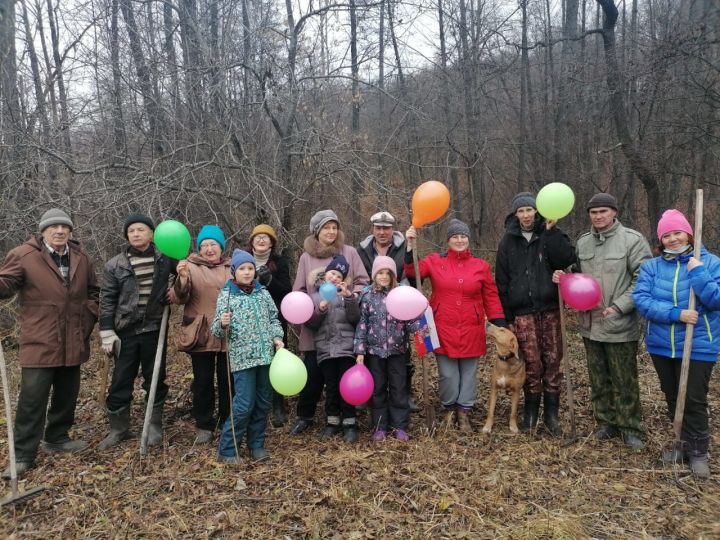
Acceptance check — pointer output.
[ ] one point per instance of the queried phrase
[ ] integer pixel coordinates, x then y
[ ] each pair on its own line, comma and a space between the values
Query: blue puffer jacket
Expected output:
662, 292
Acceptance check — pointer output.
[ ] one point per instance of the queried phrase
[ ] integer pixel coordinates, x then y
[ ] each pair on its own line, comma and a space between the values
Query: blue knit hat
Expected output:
339, 264
240, 257
211, 232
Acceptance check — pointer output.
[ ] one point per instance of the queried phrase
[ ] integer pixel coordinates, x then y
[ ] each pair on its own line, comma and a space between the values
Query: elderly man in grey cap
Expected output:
57, 291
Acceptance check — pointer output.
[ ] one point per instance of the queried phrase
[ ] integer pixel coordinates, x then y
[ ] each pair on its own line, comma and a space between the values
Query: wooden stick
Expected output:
566, 365
154, 383
427, 405
689, 327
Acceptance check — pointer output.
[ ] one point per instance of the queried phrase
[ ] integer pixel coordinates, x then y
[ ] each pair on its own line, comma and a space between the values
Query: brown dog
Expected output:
508, 373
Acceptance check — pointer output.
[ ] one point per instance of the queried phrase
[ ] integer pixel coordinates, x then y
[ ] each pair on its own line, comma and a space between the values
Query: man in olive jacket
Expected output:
613, 255
58, 302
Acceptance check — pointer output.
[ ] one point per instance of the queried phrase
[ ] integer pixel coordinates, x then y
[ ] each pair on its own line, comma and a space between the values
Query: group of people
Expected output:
232, 326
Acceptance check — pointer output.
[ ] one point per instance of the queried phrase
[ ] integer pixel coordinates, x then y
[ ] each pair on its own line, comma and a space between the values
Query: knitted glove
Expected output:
109, 337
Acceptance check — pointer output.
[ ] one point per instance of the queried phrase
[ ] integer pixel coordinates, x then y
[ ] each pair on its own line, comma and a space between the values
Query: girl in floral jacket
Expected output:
254, 332
381, 340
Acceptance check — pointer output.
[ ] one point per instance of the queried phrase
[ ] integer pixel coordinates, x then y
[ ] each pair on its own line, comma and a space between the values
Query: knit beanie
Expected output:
602, 200
240, 257
383, 262
55, 216
137, 218
339, 264
321, 218
673, 220
211, 232
523, 199
457, 227
264, 229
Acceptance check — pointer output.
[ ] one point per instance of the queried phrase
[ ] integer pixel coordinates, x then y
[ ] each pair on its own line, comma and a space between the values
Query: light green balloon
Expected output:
288, 374
172, 239
555, 201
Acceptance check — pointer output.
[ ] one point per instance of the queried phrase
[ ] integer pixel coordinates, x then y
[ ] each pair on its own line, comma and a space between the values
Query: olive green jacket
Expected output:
613, 257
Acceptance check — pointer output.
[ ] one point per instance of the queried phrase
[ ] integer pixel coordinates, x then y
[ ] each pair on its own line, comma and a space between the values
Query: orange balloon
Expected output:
430, 202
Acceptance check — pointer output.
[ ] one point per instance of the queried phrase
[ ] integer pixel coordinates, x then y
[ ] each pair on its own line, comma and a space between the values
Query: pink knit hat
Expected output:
673, 220
383, 262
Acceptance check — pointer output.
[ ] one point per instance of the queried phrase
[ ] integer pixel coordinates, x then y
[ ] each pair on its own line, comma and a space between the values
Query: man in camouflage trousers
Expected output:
613, 255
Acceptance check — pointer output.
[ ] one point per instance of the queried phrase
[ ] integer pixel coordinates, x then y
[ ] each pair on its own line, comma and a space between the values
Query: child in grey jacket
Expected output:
334, 324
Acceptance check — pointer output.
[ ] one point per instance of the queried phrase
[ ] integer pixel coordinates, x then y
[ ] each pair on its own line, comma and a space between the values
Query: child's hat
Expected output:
673, 220
383, 262
211, 232
339, 264
240, 257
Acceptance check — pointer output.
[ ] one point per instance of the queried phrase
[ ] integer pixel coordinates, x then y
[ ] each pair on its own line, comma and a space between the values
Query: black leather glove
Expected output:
264, 276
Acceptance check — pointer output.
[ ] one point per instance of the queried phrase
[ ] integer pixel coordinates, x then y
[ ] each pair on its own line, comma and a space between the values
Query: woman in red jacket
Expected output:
463, 293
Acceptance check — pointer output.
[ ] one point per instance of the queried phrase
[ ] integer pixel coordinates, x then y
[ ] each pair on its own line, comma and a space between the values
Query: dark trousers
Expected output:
389, 402
32, 408
409, 367
250, 407
615, 392
206, 366
335, 406
136, 351
695, 416
310, 395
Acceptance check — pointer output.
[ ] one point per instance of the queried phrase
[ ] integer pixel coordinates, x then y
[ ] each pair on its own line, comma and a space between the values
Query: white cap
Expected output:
383, 218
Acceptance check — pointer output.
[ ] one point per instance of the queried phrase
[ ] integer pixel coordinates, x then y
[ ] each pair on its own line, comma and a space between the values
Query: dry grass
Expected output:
439, 485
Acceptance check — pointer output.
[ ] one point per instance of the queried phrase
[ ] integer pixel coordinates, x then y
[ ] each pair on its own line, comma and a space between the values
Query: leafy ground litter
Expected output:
441, 484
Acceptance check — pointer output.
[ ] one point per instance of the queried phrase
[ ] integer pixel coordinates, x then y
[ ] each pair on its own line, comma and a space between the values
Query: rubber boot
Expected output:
699, 456
119, 428
279, 413
530, 412
155, 431
550, 413
464, 421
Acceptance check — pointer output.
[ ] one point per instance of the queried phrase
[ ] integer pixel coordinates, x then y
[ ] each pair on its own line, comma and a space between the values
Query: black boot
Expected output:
550, 413
699, 456
279, 413
530, 412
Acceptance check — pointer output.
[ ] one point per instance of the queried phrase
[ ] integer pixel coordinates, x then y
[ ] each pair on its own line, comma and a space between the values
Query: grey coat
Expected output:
335, 329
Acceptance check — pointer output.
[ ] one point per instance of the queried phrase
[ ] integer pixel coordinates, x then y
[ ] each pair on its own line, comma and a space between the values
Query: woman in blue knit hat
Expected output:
200, 277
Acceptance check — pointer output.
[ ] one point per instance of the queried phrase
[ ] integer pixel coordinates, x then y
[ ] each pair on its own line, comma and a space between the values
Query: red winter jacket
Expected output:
463, 293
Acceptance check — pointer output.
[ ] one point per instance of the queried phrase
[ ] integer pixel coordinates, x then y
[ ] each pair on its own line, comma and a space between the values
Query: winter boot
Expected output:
530, 412
155, 432
464, 421
449, 420
332, 428
350, 433
279, 413
699, 456
550, 413
119, 428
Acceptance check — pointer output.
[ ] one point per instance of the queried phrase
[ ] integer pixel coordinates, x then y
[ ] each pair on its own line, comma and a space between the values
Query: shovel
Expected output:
154, 382
15, 496
568, 380
427, 405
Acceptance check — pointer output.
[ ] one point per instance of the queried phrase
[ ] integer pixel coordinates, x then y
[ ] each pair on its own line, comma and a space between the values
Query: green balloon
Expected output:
288, 374
172, 239
555, 201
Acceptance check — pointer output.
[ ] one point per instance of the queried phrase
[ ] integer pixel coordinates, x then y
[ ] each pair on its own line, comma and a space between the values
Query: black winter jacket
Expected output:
367, 253
119, 295
523, 271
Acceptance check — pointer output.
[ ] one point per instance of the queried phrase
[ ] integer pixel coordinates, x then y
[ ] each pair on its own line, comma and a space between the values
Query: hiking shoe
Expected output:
229, 460
68, 447
259, 454
633, 442
401, 435
203, 436
604, 433
301, 425
379, 435
21, 466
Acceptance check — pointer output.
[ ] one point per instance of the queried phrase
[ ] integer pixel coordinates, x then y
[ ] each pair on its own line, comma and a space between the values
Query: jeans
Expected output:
136, 351
206, 366
32, 408
389, 402
456, 381
250, 409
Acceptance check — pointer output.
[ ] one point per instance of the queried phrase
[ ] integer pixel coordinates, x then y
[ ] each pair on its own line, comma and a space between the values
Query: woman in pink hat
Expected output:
662, 295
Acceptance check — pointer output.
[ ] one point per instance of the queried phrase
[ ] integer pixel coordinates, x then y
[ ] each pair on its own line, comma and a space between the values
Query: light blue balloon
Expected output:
328, 291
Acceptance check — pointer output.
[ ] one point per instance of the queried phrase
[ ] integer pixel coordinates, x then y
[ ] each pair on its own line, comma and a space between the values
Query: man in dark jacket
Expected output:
58, 300
385, 240
529, 252
135, 290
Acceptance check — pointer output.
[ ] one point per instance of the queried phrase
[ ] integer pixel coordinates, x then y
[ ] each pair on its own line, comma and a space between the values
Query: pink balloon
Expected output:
356, 384
580, 291
406, 303
297, 307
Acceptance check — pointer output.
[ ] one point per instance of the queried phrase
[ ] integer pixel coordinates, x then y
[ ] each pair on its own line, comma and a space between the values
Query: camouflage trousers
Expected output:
538, 336
614, 388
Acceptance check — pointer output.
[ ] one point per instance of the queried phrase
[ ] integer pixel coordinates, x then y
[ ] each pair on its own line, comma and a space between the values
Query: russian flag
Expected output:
426, 338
